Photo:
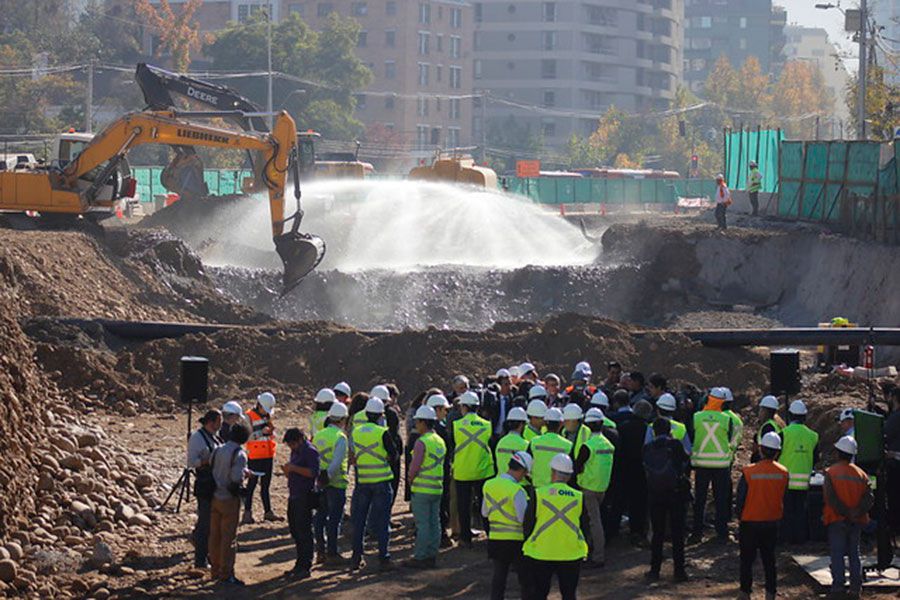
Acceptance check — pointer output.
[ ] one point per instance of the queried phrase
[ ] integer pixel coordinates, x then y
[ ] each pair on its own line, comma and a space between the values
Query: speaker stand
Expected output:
183, 485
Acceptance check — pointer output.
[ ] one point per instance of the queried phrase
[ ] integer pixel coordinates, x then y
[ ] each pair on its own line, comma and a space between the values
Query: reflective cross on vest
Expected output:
508, 445
499, 495
325, 442
371, 456
430, 478
472, 458
557, 534
712, 448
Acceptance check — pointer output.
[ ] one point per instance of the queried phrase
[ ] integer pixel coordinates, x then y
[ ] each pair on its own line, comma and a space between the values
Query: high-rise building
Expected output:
886, 14
736, 29
812, 45
557, 66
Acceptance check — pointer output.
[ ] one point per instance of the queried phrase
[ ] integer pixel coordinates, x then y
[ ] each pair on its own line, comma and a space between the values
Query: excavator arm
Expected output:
300, 253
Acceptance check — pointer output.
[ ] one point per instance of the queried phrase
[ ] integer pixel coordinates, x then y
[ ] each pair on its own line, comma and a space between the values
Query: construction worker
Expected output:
342, 392
528, 376
594, 465
554, 532
737, 424
711, 459
760, 506
426, 474
536, 411
333, 447
322, 402
573, 429
754, 185
769, 422
723, 201
544, 447
261, 454
665, 465
473, 462
846, 421
666, 407
848, 499
579, 390
513, 441
441, 406
799, 452
232, 414
372, 450
601, 400
505, 503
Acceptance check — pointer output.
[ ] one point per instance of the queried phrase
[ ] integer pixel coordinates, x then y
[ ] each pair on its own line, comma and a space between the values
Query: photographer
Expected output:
201, 445
229, 468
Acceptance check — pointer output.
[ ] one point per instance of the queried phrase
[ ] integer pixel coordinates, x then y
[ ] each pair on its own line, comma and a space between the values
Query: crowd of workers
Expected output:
551, 472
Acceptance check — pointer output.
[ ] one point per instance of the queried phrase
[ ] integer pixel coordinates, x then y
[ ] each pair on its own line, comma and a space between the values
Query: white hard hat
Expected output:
525, 368
537, 391
343, 388
593, 415
572, 412
667, 402
524, 459
718, 392
338, 410
729, 397
375, 406
771, 440
553, 415
514, 371
232, 408
600, 399
797, 408
517, 414
470, 399
847, 444
537, 408
847, 413
381, 392
267, 401
436, 400
585, 367
769, 402
426, 413
502, 373
562, 463
325, 396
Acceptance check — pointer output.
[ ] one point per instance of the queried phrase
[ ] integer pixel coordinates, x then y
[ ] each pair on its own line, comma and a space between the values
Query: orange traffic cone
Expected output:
562, 210
603, 209
119, 214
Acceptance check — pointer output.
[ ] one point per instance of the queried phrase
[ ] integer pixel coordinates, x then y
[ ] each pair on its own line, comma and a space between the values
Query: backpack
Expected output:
659, 465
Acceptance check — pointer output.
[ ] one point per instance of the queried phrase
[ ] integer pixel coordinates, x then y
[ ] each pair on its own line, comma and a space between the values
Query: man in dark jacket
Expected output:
629, 487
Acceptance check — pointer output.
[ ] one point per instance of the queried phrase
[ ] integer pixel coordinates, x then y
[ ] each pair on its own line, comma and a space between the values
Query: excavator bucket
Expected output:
300, 253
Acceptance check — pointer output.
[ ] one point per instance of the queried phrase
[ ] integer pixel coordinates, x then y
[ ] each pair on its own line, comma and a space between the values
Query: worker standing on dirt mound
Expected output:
711, 459
505, 503
333, 447
594, 465
513, 441
536, 412
323, 401
799, 452
770, 422
201, 445
372, 450
261, 452
754, 186
426, 474
760, 506
473, 462
554, 532
723, 201
544, 447
848, 499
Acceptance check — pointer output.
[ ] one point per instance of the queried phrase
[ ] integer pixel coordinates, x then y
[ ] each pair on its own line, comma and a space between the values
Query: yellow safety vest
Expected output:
325, 442
499, 495
543, 449
598, 468
317, 422
472, 458
797, 448
530, 432
508, 445
712, 448
430, 478
557, 534
371, 456
580, 437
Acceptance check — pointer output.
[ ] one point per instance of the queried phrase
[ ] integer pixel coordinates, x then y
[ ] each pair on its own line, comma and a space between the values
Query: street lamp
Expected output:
862, 77
268, 12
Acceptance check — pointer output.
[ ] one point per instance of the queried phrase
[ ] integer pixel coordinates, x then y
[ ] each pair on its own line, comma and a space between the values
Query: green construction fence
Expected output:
220, 181
759, 145
612, 192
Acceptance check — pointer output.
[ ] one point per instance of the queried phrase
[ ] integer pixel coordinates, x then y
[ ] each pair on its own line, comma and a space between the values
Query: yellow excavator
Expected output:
455, 168
91, 183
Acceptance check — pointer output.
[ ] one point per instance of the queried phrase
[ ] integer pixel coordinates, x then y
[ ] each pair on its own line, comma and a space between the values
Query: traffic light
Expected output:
682, 129
695, 162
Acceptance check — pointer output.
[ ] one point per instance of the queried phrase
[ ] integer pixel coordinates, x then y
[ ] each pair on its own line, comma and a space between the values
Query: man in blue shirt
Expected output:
301, 471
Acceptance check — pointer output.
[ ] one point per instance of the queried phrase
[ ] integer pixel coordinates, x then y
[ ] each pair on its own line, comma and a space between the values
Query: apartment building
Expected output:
812, 45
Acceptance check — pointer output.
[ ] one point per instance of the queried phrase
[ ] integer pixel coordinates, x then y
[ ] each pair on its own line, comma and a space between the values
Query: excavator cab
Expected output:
306, 153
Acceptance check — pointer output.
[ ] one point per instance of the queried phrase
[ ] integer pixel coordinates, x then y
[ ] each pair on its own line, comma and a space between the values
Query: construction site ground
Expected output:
93, 436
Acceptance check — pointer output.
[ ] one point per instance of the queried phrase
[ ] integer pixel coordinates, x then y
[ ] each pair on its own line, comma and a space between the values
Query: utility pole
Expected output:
89, 100
483, 127
269, 57
863, 68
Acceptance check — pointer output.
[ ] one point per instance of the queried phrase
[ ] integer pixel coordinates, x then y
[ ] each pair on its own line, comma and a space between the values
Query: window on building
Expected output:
439, 73
390, 127
439, 39
478, 66
423, 74
246, 11
435, 136
296, 8
390, 69
549, 12
549, 98
390, 8
743, 43
359, 9
362, 39
422, 106
455, 46
324, 9
437, 104
603, 16
743, 22
389, 103
456, 77
479, 15
456, 18
453, 137
704, 22
390, 38
424, 43
548, 69
477, 41
424, 13
360, 102
455, 108
421, 137
548, 40
548, 127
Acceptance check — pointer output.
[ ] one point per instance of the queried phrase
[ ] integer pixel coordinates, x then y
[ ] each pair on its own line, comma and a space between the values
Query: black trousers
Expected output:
754, 202
795, 525
629, 495
721, 487
542, 571
201, 532
720, 215
893, 494
759, 537
445, 502
506, 554
261, 465
300, 514
468, 499
672, 512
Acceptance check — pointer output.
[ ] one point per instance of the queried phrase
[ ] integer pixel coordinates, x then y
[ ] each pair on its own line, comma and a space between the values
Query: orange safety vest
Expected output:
850, 483
766, 482
261, 443
589, 390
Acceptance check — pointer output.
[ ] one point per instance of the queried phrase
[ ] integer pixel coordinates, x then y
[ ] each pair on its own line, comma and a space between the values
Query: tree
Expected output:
179, 35
798, 97
511, 140
752, 88
619, 138
882, 103
327, 71
722, 83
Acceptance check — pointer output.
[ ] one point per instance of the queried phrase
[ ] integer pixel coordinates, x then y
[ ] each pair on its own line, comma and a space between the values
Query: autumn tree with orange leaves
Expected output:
179, 34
